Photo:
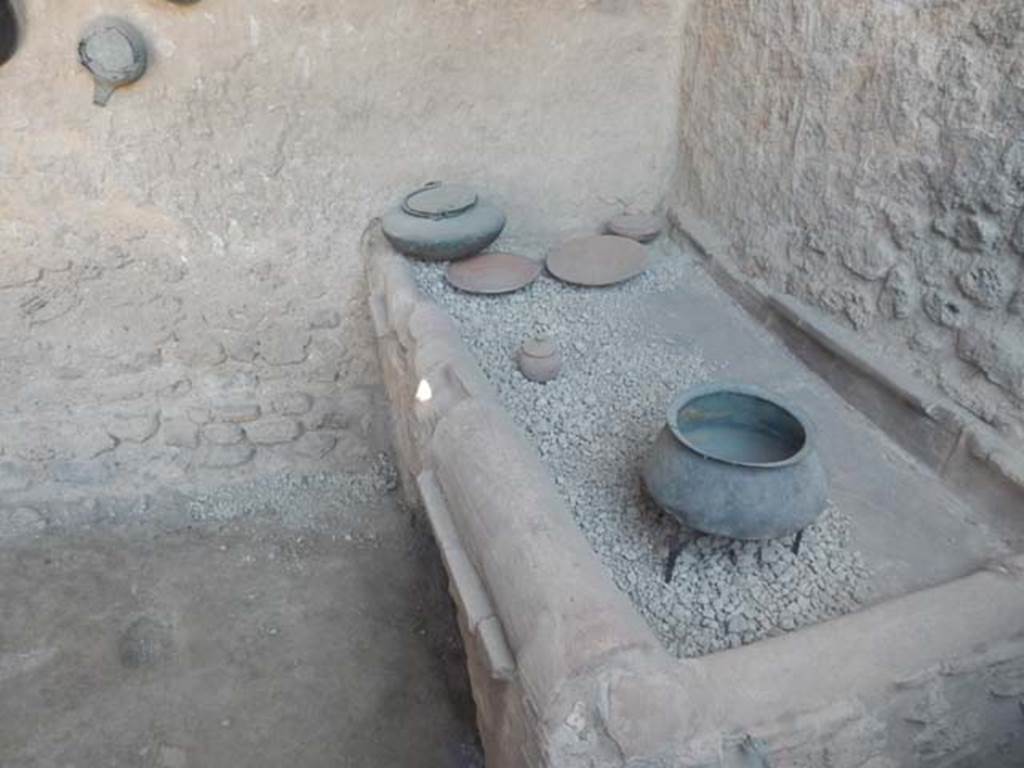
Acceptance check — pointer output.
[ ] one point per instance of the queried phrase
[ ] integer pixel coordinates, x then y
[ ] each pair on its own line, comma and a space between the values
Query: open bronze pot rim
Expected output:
687, 396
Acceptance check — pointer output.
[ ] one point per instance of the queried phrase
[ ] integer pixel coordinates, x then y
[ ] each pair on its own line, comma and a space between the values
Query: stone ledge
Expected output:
494, 509
467, 589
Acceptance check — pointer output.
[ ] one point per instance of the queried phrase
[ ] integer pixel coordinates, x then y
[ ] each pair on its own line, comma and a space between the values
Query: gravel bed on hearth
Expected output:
594, 424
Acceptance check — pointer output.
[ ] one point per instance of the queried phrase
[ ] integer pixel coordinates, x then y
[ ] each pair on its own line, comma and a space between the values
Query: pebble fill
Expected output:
593, 426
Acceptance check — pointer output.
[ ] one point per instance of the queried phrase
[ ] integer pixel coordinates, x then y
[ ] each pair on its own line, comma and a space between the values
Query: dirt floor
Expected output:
289, 623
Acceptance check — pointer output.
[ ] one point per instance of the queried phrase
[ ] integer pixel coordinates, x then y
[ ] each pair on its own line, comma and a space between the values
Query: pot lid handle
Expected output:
436, 200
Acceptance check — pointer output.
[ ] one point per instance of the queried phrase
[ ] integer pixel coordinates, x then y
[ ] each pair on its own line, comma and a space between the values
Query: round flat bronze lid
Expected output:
636, 226
600, 260
493, 273
440, 201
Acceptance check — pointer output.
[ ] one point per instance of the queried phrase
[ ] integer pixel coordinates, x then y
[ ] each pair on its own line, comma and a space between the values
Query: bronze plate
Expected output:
600, 260
493, 273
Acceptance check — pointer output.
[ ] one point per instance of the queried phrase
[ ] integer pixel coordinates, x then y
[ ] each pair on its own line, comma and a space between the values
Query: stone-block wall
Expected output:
867, 157
181, 292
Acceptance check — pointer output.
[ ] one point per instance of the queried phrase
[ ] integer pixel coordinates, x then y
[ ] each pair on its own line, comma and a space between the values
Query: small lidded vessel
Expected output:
736, 461
443, 222
539, 359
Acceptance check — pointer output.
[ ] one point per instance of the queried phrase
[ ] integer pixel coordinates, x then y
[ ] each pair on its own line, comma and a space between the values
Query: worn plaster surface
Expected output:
868, 158
181, 298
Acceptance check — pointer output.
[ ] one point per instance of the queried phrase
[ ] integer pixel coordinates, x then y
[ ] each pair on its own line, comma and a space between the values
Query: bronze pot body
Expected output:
736, 461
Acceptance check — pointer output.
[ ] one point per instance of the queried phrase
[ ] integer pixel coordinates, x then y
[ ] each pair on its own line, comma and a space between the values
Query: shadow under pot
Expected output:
443, 222
735, 461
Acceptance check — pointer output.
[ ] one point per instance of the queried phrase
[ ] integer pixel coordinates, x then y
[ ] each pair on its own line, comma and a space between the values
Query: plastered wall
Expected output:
867, 157
181, 293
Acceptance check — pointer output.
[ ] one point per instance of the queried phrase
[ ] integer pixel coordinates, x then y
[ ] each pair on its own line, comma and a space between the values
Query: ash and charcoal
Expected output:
594, 424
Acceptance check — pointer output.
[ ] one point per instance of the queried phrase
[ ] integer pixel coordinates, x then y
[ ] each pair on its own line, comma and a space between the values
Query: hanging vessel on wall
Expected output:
443, 222
115, 53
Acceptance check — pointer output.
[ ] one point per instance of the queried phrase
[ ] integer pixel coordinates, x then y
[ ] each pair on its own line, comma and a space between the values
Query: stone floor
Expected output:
286, 628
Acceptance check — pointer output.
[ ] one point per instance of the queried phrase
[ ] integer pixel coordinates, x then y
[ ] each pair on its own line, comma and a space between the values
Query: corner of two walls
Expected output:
868, 159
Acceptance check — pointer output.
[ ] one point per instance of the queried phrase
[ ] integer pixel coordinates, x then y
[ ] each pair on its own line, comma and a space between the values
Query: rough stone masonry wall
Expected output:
181, 294
867, 157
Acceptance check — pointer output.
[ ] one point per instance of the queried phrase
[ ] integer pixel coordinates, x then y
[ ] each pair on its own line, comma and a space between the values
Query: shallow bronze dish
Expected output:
600, 260
493, 273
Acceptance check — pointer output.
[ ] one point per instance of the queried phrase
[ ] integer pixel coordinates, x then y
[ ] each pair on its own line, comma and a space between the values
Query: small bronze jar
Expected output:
539, 359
